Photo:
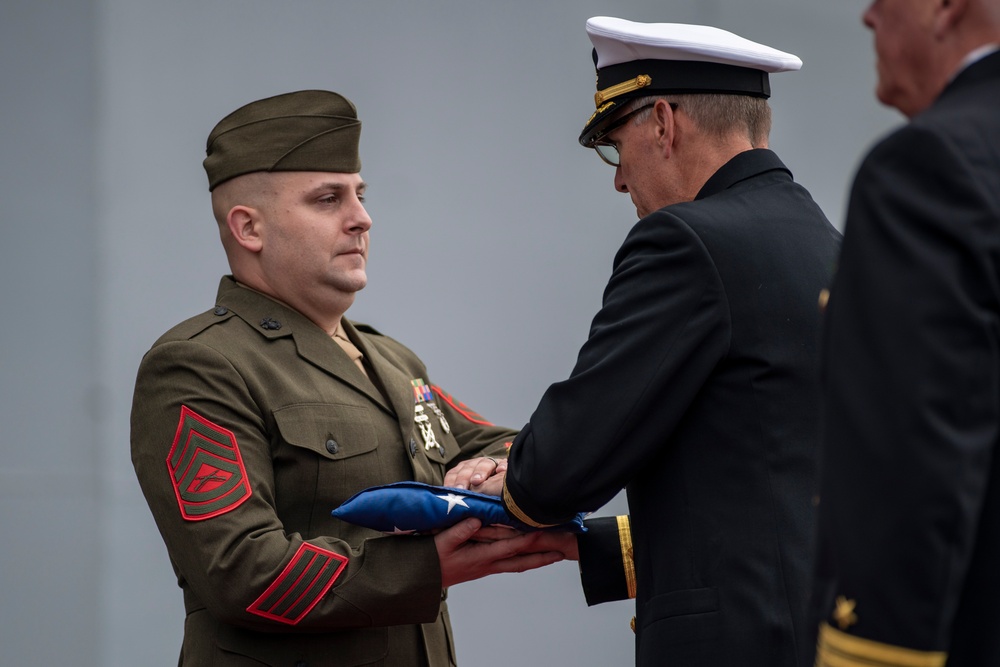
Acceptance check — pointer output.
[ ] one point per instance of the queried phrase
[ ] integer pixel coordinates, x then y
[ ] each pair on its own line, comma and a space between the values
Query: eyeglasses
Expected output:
608, 150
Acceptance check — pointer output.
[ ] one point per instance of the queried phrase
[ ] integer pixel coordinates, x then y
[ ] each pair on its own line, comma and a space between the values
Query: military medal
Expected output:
445, 426
423, 394
426, 432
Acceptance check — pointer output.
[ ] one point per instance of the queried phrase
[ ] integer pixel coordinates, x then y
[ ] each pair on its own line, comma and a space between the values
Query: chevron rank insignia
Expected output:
206, 468
300, 586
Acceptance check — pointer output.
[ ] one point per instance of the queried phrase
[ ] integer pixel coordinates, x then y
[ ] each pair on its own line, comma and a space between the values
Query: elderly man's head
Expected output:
674, 103
921, 43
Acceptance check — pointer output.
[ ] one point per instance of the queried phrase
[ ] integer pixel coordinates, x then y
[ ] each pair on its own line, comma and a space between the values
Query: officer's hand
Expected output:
493, 486
464, 559
545, 540
563, 542
474, 472
494, 533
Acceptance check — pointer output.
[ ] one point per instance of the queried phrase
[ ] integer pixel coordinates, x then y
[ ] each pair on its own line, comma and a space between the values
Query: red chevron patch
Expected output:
300, 586
460, 407
206, 468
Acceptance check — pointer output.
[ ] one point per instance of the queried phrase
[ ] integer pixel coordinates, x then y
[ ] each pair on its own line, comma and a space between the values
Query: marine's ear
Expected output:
244, 223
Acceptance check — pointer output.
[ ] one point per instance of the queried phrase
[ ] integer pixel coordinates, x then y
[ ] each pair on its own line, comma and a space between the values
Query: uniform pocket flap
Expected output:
683, 624
334, 431
682, 603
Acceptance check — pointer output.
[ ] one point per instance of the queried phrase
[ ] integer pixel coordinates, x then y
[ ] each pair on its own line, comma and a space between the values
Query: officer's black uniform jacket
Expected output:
249, 426
697, 391
910, 513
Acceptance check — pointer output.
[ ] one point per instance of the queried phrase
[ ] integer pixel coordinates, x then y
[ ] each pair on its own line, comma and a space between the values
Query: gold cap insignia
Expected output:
602, 96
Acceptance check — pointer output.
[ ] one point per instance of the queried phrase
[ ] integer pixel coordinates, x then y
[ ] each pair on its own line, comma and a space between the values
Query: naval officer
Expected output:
697, 389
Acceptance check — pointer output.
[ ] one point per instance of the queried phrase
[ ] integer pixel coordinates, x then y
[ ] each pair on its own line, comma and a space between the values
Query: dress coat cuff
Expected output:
607, 566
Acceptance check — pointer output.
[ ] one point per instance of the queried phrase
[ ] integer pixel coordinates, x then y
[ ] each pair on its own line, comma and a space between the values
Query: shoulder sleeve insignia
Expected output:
460, 407
206, 468
300, 586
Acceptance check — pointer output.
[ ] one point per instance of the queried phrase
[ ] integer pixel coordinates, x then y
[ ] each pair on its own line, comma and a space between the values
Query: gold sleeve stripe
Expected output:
839, 649
517, 512
628, 559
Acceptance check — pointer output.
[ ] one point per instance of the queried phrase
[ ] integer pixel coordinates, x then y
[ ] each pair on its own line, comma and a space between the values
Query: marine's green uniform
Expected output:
249, 425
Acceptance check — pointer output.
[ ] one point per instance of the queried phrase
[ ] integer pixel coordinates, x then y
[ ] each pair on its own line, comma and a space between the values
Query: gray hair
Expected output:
719, 115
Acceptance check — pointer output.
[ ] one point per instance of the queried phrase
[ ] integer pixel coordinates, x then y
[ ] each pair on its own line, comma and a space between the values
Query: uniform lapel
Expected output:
396, 383
312, 343
316, 347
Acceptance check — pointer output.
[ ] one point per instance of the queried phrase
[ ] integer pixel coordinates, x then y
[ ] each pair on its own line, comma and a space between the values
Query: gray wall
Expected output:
493, 238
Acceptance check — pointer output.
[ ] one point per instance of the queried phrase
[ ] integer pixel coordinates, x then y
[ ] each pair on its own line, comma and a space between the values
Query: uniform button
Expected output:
413, 447
332, 446
221, 310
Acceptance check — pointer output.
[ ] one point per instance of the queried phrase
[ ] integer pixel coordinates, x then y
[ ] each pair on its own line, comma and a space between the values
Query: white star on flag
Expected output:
452, 500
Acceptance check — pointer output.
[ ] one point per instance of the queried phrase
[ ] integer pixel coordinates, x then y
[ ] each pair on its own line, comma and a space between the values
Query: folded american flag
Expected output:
414, 507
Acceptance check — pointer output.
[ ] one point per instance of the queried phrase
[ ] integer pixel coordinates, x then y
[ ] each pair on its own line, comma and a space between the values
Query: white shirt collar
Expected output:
978, 54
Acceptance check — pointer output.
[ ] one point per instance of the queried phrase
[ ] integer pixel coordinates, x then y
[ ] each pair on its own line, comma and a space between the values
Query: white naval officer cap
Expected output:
640, 59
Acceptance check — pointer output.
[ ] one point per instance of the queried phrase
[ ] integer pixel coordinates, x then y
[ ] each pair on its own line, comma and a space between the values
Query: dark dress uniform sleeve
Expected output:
209, 480
661, 330
607, 562
697, 392
911, 394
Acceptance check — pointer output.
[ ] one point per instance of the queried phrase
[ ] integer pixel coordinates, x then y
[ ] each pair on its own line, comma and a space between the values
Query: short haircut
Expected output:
719, 115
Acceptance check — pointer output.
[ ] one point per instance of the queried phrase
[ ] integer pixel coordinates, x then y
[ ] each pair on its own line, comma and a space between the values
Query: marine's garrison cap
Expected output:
308, 130
641, 59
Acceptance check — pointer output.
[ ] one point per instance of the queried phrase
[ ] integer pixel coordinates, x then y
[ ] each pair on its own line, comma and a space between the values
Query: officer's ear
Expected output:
665, 126
948, 14
245, 224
